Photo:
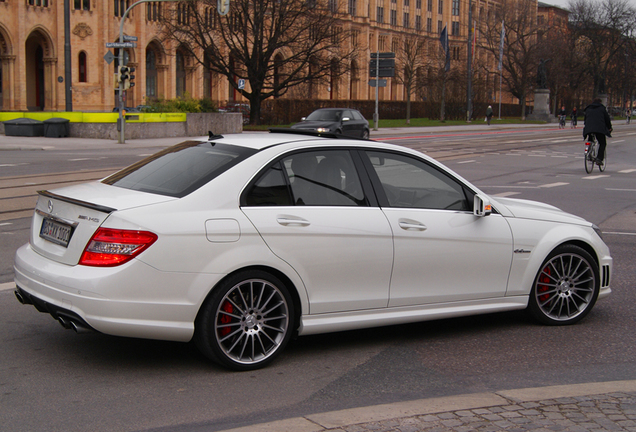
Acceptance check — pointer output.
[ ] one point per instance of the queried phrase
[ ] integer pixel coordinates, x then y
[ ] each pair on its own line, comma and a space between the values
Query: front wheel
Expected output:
566, 287
246, 322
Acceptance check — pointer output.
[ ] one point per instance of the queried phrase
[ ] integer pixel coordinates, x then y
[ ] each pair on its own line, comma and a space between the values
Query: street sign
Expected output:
384, 63
109, 57
241, 84
383, 55
121, 45
130, 38
381, 83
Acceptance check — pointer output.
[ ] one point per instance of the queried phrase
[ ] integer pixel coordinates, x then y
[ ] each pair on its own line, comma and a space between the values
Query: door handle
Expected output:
411, 225
286, 221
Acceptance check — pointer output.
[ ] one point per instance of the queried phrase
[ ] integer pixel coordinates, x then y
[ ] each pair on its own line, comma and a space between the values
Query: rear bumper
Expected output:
131, 300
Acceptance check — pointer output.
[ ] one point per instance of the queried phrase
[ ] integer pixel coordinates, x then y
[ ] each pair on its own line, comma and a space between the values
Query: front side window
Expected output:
314, 178
412, 183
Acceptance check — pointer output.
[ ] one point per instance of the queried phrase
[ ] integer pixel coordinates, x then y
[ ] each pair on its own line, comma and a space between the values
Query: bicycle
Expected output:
573, 123
561, 122
591, 151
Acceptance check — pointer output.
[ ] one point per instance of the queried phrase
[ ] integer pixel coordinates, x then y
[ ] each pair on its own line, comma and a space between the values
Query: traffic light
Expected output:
124, 77
131, 77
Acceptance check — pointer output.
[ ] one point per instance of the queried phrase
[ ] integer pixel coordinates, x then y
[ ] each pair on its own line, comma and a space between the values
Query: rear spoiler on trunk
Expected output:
92, 206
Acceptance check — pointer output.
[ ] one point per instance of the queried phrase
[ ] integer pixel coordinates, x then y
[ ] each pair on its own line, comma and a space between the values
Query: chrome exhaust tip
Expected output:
18, 295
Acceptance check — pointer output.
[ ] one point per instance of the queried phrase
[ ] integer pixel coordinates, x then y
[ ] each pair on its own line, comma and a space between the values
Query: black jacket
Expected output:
596, 119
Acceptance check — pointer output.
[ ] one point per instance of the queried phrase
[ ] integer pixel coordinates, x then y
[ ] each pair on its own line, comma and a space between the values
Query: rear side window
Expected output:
312, 178
180, 169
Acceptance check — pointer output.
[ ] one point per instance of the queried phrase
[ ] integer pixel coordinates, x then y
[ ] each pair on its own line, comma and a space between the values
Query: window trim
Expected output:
383, 200
367, 187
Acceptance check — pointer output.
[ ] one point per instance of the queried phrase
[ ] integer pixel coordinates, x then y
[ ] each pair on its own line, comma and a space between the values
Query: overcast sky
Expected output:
564, 3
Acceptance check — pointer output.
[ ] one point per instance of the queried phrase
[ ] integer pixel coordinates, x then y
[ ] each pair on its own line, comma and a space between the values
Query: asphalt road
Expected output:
54, 380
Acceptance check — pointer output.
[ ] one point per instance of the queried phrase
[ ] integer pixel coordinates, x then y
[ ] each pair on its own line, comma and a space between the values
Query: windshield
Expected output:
180, 169
325, 115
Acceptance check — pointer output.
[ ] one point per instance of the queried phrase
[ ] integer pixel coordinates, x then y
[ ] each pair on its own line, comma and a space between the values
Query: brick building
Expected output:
32, 50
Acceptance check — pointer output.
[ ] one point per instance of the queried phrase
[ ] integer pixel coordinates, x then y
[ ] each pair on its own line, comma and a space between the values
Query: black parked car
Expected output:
344, 121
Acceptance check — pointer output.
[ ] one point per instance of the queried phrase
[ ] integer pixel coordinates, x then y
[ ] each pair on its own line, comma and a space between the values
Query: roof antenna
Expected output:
213, 136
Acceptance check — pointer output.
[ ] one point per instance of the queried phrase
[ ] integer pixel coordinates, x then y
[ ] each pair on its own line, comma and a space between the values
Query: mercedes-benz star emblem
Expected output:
50, 206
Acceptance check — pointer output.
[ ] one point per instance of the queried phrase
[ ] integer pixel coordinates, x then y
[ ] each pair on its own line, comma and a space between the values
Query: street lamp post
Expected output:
122, 120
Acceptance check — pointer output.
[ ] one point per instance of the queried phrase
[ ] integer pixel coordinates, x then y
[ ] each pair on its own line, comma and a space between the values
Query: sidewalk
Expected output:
609, 406
70, 143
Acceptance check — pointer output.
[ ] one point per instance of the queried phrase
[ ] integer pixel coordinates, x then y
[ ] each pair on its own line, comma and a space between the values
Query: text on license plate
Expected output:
56, 232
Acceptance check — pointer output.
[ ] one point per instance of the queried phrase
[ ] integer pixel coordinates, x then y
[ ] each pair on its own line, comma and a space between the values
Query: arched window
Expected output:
151, 73
181, 75
83, 74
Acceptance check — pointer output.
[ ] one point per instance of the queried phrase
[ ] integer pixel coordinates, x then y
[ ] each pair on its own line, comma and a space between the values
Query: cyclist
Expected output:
597, 122
562, 117
574, 117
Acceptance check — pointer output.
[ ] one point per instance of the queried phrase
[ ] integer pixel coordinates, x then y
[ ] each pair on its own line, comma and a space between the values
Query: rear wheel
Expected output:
566, 286
246, 322
602, 165
590, 156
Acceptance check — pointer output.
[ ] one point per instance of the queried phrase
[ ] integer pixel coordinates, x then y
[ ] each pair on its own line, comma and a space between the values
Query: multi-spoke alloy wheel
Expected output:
246, 322
566, 287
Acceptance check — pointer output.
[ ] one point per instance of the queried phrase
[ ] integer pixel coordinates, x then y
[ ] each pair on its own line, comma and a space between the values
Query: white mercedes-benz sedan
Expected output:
240, 242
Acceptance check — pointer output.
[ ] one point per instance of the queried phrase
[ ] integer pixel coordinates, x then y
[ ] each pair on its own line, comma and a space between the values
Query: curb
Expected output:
343, 418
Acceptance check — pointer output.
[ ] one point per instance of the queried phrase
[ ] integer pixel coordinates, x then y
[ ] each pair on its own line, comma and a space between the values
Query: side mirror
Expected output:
481, 206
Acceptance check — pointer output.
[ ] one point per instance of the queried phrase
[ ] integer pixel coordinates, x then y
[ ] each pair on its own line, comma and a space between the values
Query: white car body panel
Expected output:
478, 249
344, 254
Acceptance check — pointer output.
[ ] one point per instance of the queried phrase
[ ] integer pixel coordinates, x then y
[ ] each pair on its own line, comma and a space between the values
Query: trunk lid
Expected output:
65, 219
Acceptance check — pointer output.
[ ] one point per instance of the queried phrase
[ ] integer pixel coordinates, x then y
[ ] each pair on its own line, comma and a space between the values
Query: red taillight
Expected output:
111, 247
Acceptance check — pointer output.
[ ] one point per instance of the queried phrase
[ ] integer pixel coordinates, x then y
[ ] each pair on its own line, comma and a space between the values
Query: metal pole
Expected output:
376, 115
469, 85
67, 56
122, 119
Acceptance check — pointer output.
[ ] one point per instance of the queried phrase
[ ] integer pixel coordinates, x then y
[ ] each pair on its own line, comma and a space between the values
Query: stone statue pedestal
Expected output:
541, 109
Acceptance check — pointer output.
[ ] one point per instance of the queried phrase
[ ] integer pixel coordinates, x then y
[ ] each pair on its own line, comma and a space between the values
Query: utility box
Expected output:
23, 127
56, 127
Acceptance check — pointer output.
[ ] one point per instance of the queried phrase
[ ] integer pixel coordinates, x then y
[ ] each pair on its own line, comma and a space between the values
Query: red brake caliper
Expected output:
225, 319
544, 278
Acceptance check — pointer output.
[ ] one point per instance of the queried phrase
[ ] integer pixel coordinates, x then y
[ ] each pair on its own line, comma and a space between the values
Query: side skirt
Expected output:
343, 321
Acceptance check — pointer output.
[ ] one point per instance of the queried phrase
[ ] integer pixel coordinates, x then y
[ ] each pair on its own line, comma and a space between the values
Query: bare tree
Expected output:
274, 45
601, 30
409, 59
520, 58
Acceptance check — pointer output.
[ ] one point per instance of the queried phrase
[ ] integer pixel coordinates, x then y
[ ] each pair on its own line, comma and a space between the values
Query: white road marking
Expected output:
627, 171
551, 185
7, 286
614, 142
464, 162
595, 177
619, 233
5, 223
621, 190
13, 165
505, 194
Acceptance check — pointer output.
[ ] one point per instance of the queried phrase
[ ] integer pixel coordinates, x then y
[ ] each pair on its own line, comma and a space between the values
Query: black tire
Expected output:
566, 287
603, 164
246, 322
590, 156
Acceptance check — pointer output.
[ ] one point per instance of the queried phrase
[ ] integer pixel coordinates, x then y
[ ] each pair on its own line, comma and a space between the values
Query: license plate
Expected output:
56, 232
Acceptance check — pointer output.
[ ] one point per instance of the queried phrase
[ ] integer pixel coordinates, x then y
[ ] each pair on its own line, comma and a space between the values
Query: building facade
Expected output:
32, 41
